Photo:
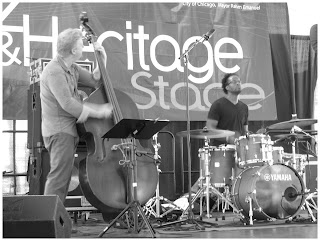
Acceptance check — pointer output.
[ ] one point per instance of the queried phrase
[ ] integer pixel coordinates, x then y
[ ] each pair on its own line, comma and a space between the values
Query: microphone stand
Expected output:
185, 57
190, 219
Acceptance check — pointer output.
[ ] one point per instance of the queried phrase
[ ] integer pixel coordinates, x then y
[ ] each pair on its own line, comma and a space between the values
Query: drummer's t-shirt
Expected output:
229, 116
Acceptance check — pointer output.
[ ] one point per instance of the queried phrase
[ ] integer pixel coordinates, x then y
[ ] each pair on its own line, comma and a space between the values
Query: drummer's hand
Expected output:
230, 139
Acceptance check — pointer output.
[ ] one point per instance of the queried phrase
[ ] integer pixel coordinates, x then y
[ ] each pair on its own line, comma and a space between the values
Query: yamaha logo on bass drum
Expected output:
277, 177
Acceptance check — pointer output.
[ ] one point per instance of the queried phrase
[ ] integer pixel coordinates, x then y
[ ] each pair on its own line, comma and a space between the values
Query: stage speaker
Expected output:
38, 169
35, 216
35, 141
311, 172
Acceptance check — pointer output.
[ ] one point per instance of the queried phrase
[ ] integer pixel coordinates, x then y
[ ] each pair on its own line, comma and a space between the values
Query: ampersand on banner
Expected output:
13, 57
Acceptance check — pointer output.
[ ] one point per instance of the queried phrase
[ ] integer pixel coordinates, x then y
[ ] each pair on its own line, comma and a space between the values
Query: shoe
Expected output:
120, 225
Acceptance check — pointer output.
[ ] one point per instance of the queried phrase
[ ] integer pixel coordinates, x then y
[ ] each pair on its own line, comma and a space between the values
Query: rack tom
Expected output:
254, 150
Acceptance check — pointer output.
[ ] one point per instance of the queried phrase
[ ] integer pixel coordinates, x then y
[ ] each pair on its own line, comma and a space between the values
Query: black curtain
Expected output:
304, 62
279, 34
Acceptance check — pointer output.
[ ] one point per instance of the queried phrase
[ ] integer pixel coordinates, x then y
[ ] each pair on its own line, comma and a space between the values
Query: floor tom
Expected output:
222, 165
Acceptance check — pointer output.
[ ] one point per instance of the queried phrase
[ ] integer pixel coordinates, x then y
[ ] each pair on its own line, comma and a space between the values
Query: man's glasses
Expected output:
234, 81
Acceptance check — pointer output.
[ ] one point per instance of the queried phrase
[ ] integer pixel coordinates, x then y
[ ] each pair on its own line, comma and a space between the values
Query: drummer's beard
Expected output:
236, 92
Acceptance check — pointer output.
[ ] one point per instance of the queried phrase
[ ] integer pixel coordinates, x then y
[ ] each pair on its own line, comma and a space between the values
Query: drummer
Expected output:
228, 112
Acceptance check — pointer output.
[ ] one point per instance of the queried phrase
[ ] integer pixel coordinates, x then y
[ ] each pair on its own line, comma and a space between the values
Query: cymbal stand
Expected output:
310, 203
307, 204
203, 187
155, 201
293, 147
225, 205
208, 188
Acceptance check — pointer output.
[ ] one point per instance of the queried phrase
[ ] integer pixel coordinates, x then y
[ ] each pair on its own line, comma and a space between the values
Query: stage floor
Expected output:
226, 225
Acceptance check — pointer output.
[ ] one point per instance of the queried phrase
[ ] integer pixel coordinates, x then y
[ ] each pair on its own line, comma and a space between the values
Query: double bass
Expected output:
104, 174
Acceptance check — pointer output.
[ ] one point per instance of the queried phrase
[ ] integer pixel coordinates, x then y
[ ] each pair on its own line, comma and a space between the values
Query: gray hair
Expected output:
66, 40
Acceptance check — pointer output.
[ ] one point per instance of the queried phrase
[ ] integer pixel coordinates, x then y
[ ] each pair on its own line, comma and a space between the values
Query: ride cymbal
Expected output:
206, 134
291, 123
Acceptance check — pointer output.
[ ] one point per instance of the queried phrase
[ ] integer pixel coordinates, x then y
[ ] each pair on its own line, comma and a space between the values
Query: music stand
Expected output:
134, 129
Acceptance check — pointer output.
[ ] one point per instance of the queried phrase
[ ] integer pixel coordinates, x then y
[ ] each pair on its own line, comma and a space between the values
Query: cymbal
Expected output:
206, 134
293, 122
291, 135
287, 131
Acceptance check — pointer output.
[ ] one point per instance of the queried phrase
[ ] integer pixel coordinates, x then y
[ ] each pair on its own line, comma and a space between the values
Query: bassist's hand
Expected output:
99, 111
98, 47
106, 110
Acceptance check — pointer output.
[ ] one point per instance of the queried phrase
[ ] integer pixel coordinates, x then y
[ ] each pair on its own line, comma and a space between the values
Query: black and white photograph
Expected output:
127, 119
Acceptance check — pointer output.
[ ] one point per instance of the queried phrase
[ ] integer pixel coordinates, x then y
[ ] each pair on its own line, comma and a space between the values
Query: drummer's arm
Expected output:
246, 129
212, 124
230, 139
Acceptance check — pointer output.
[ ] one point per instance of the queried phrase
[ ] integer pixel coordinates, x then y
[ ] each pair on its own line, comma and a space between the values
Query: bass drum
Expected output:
274, 191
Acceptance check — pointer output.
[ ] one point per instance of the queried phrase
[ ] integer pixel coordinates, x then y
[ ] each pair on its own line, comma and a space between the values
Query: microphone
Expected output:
208, 34
204, 37
293, 195
290, 194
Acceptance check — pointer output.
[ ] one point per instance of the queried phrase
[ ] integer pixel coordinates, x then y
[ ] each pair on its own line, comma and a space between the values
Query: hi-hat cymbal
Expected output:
294, 122
206, 134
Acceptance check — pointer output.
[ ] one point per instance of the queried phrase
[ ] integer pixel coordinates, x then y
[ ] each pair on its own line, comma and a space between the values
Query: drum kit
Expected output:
260, 180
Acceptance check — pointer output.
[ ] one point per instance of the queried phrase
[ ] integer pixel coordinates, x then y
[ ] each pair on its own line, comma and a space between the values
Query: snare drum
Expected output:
300, 163
254, 150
